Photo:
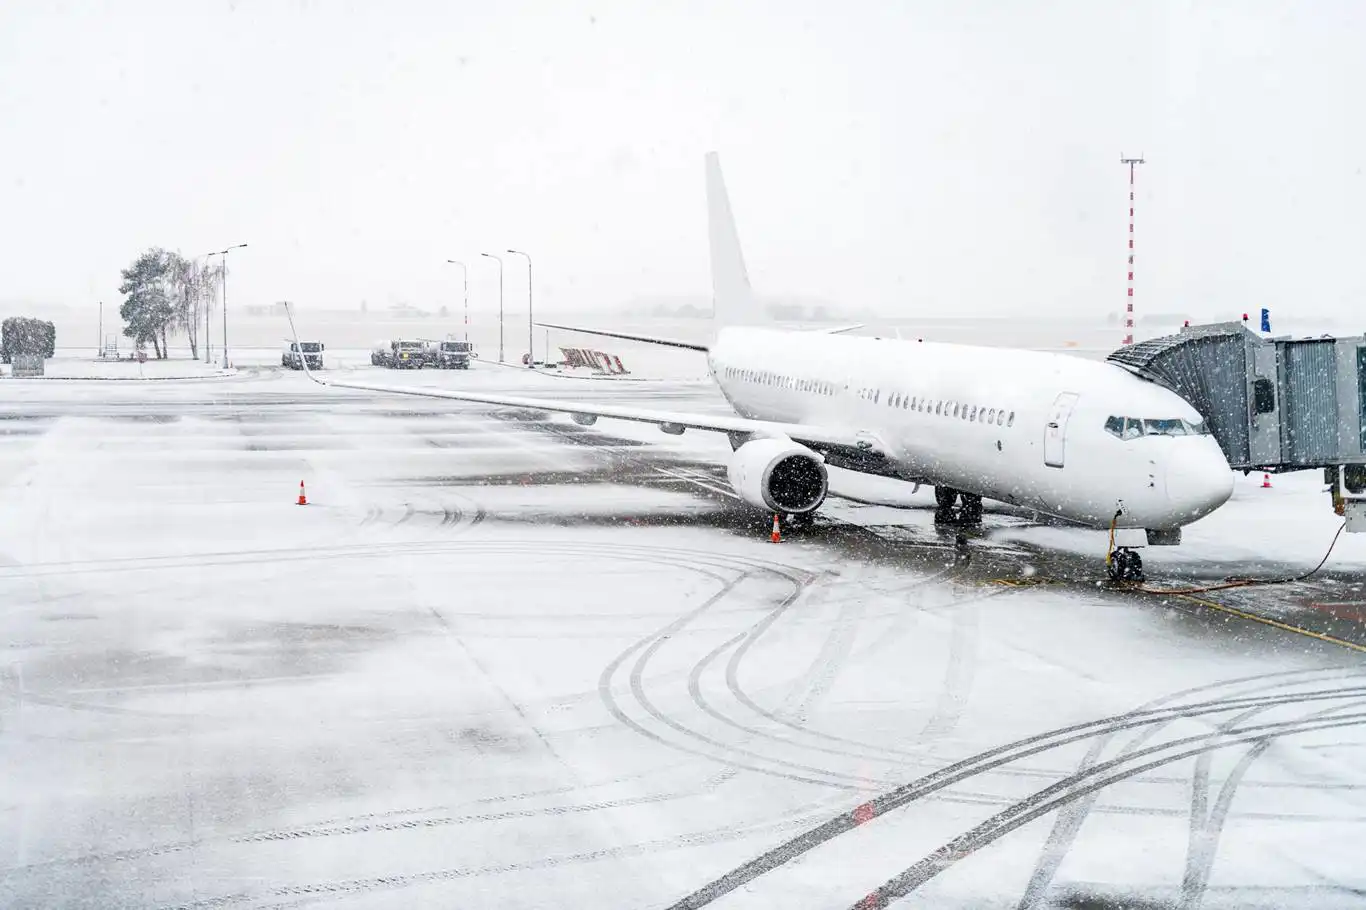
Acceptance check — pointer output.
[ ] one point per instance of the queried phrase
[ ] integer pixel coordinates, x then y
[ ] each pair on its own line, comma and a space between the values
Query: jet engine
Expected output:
778, 475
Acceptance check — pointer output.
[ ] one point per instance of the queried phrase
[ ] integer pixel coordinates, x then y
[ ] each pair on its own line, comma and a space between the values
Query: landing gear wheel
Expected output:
800, 520
944, 500
1126, 565
971, 512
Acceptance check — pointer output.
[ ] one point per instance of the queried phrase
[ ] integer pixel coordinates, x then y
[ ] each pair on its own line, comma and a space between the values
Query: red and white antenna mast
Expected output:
1129, 303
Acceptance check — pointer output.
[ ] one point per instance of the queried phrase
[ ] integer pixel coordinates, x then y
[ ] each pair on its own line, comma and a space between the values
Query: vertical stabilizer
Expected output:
733, 302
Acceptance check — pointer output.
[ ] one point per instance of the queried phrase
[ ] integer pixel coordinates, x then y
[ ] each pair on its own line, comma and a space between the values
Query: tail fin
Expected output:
733, 302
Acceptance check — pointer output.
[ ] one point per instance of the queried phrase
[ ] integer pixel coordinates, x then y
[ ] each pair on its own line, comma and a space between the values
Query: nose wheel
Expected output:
1126, 565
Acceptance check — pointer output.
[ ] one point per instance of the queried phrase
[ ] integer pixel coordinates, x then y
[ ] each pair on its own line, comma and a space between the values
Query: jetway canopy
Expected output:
1274, 404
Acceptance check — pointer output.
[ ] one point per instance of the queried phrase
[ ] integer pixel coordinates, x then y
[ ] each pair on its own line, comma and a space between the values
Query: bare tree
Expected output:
180, 279
210, 277
194, 286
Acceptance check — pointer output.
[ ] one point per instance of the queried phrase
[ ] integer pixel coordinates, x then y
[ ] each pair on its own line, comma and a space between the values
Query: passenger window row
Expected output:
938, 407
1134, 427
972, 413
795, 383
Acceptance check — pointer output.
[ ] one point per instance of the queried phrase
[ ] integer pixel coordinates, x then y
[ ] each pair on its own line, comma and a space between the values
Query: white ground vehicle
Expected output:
312, 352
401, 355
453, 355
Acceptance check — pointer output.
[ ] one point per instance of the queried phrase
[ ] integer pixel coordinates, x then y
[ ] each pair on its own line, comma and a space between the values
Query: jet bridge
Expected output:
1274, 404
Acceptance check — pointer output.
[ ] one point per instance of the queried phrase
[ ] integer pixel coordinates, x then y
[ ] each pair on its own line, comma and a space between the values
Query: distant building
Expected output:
274, 309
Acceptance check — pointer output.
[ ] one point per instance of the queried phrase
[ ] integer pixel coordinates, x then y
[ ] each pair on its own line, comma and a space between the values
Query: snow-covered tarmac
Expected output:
500, 660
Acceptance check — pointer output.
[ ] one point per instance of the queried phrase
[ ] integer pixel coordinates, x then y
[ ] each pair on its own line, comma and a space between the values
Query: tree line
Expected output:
166, 294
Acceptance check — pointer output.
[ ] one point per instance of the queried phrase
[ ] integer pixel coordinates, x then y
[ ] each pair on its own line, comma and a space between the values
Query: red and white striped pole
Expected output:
1129, 303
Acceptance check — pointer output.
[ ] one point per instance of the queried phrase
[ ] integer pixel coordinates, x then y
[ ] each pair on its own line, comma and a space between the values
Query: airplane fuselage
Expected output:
1030, 428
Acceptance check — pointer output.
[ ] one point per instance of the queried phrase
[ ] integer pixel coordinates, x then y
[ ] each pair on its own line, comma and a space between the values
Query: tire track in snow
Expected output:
302, 895
1098, 777
1207, 823
974, 766
832, 743
1068, 823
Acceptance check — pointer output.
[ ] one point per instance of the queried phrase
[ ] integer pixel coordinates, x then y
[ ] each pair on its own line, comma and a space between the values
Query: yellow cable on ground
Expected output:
1110, 549
1275, 624
1232, 582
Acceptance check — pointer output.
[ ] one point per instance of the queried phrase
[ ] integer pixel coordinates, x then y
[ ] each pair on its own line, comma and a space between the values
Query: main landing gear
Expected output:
1125, 565
945, 499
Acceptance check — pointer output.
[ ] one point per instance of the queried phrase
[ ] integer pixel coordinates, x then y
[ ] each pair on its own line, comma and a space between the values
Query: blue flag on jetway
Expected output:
1266, 320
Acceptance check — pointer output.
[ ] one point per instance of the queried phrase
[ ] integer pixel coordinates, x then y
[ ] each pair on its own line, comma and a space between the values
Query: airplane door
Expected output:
1055, 434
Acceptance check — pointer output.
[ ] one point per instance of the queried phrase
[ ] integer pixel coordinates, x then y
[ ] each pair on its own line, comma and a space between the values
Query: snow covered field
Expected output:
502, 660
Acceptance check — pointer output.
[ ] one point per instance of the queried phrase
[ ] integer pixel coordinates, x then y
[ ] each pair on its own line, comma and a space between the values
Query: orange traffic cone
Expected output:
1266, 481
303, 500
777, 536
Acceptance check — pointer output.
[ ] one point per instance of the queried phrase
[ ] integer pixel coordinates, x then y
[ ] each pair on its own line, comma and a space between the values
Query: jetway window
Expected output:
1263, 396
1361, 393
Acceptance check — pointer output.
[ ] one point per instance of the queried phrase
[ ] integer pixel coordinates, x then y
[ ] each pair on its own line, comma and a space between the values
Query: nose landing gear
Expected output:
1125, 565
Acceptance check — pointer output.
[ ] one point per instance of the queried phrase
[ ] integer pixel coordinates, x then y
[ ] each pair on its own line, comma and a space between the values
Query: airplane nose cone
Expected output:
1198, 483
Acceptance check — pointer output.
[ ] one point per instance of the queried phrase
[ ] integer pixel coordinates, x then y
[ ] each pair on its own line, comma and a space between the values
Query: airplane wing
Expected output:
648, 339
675, 343
822, 439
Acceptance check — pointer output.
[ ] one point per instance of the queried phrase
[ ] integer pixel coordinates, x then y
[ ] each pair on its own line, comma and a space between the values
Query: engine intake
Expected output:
778, 475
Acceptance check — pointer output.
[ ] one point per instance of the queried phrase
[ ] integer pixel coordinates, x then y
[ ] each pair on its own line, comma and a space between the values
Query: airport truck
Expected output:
453, 355
312, 355
401, 354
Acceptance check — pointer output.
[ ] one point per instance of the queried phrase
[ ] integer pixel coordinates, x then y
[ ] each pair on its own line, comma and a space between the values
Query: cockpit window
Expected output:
1134, 427
1173, 427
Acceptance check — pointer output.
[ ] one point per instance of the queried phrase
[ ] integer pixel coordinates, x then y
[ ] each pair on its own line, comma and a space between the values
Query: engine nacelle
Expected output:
778, 475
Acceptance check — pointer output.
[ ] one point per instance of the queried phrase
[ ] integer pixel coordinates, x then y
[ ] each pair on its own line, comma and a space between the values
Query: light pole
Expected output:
464, 270
530, 321
500, 303
224, 254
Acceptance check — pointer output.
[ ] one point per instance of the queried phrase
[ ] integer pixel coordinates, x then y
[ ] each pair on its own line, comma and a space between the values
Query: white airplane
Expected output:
1082, 440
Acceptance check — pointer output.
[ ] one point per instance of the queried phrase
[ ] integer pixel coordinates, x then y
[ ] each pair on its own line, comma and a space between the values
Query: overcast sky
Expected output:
915, 157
